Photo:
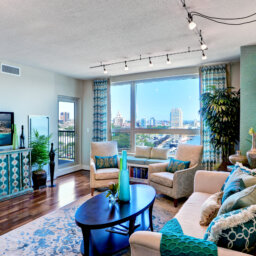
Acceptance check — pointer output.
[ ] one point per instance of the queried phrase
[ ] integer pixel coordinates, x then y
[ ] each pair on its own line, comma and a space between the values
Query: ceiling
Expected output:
70, 36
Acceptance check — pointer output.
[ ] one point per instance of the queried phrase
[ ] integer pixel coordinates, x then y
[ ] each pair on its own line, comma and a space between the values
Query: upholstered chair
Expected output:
179, 184
102, 177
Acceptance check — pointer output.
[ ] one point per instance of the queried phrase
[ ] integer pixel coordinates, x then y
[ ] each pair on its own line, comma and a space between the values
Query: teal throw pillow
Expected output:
171, 226
176, 165
102, 162
234, 187
240, 173
239, 200
234, 230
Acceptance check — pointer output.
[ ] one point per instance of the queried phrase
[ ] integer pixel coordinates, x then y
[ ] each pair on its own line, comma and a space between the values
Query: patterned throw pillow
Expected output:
210, 208
234, 187
234, 230
239, 200
102, 162
176, 165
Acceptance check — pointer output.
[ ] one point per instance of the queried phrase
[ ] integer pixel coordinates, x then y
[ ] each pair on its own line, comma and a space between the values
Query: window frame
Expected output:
133, 130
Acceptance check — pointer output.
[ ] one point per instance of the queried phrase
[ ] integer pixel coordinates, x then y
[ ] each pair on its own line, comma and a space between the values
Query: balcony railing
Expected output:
66, 145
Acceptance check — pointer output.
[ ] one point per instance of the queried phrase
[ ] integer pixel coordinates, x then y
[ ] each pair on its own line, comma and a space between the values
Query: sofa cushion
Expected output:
163, 178
176, 165
239, 200
210, 208
234, 187
155, 161
142, 151
235, 230
160, 153
107, 174
189, 215
102, 162
136, 160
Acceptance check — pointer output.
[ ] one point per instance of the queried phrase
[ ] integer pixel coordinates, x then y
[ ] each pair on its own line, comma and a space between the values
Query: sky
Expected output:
157, 98
66, 107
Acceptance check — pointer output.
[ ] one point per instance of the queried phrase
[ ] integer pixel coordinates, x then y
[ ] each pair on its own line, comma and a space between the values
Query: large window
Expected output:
158, 113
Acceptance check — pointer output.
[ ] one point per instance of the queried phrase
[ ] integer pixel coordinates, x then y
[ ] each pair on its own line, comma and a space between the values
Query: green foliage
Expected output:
221, 111
113, 188
40, 152
123, 140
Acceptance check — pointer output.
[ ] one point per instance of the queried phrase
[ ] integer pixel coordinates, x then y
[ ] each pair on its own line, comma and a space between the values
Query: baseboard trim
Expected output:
69, 169
85, 167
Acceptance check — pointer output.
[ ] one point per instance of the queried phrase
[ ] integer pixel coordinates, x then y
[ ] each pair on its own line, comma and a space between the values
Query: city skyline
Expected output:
157, 98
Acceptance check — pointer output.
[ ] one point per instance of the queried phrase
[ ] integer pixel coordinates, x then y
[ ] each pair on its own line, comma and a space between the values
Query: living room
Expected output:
140, 76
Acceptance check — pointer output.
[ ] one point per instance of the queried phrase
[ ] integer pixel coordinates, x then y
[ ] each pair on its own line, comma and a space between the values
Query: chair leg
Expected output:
92, 191
175, 202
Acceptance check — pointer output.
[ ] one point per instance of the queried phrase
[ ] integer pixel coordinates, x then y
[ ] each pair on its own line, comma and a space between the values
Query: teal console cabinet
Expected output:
15, 173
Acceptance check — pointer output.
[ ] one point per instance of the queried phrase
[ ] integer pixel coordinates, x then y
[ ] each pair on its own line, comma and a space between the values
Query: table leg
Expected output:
150, 217
86, 241
131, 225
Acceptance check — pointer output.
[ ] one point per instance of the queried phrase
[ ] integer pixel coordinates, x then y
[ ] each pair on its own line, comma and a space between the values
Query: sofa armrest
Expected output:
145, 243
209, 181
158, 167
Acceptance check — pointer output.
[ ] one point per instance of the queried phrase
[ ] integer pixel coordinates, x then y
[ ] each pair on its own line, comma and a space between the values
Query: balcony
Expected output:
66, 150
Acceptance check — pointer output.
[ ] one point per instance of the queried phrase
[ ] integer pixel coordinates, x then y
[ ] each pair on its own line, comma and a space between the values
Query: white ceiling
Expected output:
70, 36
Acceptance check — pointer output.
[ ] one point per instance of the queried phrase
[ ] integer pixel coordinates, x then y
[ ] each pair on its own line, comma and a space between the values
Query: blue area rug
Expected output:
57, 234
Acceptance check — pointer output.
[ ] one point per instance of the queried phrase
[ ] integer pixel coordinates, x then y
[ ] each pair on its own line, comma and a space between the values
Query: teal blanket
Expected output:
175, 243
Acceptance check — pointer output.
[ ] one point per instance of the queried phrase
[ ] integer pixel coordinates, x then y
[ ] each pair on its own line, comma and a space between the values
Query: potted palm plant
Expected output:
39, 158
220, 110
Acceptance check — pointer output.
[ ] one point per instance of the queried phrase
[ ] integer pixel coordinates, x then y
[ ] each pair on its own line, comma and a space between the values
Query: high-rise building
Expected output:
64, 116
143, 122
118, 120
176, 118
152, 122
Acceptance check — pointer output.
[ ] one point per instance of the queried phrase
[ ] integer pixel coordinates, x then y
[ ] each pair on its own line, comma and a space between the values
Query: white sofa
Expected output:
206, 183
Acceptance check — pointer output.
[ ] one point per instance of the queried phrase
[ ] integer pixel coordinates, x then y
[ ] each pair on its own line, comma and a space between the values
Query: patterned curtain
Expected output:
100, 110
211, 76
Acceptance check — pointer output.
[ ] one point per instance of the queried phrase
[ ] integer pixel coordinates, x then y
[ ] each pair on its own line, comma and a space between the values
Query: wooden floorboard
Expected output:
23, 209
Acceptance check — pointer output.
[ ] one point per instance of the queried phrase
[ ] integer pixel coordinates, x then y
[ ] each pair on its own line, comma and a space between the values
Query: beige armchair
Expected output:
102, 177
179, 184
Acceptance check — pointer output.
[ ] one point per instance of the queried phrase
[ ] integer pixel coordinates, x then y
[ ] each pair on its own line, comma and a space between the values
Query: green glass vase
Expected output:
15, 140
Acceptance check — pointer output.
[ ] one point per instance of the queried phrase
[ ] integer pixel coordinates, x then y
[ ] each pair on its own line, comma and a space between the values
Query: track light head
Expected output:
150, 62
191, 23
104, 70
125, 66
204, 57
203, 45
168, 60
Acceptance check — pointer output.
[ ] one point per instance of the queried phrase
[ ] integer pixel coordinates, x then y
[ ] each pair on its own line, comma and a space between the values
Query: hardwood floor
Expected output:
21, 210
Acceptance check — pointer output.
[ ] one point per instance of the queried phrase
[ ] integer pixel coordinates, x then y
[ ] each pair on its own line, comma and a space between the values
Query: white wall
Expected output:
35, 92
87, 128
235, 75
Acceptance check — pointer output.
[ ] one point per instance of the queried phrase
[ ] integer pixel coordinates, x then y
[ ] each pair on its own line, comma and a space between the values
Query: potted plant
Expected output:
112, 192
220, 110
39, 158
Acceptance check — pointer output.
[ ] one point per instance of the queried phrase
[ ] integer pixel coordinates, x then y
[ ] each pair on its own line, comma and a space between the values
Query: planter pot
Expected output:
251, 155
39, 179
238, 158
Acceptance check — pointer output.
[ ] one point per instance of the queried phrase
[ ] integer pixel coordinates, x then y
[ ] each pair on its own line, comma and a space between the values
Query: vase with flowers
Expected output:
251, 154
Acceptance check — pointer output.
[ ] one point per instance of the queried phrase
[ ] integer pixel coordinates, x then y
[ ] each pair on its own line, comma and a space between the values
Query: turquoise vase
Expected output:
124, 185
15, 141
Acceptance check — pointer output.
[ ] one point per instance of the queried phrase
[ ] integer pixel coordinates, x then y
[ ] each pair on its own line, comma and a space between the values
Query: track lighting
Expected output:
191, 23
104, 70
125, 66
167, 59
204, 57
150, 62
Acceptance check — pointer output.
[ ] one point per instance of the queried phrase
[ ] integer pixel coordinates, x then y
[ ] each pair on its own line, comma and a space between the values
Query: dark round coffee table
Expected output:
97, 215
